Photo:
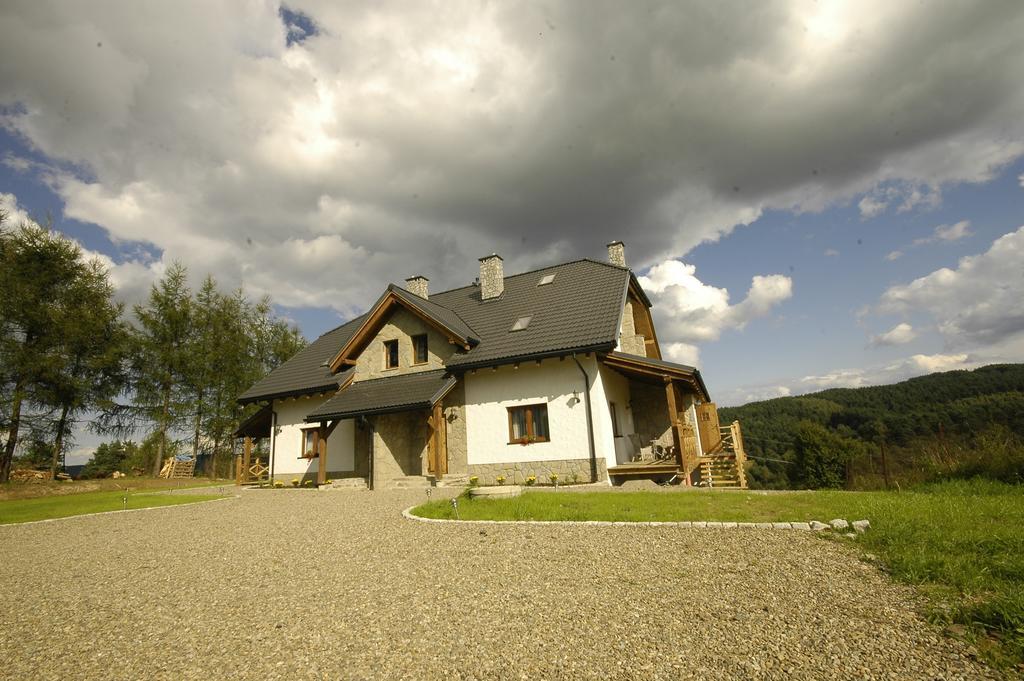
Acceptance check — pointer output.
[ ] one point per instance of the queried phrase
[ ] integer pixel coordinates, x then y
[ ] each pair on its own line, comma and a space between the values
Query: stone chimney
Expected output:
417, 285
492, 276
617, 253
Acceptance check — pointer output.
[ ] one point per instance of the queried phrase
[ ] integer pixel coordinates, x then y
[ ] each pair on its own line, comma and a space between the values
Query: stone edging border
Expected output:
126, 510
697, 524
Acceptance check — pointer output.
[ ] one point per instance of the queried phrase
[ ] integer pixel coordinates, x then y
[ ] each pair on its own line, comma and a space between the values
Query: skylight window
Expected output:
521, 323
546, 279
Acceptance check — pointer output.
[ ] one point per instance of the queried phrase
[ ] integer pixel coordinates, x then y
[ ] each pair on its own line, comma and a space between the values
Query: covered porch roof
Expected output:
419, 390
258, 425
653, 370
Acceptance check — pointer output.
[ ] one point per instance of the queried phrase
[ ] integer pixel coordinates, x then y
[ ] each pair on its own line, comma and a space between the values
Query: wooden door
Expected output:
707, 426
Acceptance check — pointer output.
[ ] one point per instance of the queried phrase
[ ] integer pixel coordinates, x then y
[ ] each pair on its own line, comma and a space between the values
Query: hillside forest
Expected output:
955, 424
168, 370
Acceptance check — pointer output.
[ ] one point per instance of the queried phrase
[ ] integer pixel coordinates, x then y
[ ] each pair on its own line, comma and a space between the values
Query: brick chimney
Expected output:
492, 276
418, 285
617, 253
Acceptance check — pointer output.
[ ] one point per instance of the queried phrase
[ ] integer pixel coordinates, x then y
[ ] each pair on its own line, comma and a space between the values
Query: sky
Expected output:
814, 194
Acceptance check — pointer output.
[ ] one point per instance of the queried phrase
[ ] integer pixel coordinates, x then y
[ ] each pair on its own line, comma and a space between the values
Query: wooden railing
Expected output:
732, 443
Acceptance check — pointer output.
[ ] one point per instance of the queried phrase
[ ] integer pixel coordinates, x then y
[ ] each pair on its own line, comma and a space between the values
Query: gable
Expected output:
401, 325
441, 319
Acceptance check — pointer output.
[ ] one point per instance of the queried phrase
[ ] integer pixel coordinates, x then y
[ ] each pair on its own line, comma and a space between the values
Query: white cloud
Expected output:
1021, 180
893, 372
976, 304
947, 233
871, 206
831, 253
898, 335
688, 311
15, 214
894, 255
682, 353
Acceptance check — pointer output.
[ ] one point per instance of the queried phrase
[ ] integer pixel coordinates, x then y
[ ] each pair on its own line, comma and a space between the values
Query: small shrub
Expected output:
574, 477
500, 480
554, 479
295, 482
307, 483
278, 484
327, 481
474, 480
531, 480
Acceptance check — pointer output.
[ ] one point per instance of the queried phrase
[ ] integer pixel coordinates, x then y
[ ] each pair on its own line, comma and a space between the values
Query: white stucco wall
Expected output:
611, 386
288, 443
489, 393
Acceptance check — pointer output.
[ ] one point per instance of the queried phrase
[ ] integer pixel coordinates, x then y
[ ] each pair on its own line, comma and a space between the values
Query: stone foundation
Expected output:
516, 472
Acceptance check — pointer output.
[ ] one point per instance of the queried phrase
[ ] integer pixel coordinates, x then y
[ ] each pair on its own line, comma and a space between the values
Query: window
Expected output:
309, 444
419, 349
546, 279
390, 354
527, 424
615, 420
521, 323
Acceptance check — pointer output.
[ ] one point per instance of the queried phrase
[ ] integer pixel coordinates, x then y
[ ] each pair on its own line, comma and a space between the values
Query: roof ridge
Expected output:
540, 269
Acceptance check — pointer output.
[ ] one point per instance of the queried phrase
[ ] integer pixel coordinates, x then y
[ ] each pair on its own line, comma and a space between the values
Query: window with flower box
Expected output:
528, 423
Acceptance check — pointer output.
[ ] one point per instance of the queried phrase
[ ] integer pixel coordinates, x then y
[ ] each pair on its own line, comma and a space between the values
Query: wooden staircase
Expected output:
720, 471
723, 466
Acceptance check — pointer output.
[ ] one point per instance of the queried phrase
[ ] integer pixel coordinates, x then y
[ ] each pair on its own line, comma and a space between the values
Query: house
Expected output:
556, 371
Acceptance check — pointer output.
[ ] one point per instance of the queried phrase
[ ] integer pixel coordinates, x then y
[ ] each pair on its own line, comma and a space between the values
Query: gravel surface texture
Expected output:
292, 584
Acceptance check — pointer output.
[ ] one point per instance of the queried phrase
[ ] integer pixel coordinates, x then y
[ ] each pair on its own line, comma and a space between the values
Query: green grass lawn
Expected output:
43, 508
20, 490
961, 543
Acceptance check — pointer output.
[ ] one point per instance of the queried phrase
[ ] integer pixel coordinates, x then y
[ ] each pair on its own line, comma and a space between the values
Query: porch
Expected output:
677, 433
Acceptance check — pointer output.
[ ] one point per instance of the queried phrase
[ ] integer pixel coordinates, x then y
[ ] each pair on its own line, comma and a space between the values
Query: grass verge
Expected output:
21, 490
961, 543
44, 508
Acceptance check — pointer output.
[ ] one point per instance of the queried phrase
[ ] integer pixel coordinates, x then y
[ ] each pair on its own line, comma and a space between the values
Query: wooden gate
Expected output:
707, 426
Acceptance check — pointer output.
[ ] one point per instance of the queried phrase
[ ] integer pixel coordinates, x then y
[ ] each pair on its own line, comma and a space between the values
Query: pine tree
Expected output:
160, 362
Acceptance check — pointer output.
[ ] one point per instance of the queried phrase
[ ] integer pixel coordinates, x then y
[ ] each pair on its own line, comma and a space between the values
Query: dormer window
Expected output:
521, 323
419, 349
546, 279
391, 354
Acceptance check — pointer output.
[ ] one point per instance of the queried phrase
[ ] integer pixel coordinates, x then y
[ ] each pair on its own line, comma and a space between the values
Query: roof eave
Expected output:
546, 354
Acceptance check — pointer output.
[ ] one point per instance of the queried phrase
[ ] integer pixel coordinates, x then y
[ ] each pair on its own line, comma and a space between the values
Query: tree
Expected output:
159, 366
42, 279
86, 369
822, 456
109, 457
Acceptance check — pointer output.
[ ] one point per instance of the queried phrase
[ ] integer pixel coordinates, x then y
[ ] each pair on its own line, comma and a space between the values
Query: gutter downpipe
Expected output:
273, 441
369, 464
590, 421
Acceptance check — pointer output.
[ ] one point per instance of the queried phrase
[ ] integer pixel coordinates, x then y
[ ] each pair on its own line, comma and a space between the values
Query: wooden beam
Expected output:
246, 458
321, 449
673, 416
441, 437
330, 428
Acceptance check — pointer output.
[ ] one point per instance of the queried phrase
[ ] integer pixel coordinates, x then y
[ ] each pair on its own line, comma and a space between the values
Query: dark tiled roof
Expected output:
305, 372
580, 309
394, 393
445, 316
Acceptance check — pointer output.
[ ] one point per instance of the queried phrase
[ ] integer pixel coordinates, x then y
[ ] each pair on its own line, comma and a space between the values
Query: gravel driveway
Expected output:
296, 584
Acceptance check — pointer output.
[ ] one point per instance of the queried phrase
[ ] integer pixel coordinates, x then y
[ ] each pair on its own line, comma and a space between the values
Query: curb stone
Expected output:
688, 524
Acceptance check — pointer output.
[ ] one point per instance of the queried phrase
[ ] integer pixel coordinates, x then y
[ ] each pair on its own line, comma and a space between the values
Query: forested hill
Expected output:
955, 406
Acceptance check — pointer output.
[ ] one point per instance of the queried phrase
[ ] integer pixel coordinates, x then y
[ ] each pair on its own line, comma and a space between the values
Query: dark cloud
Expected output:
393, 140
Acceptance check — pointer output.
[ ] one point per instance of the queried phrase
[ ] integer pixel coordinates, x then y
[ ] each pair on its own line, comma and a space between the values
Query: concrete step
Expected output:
345, 484
408, 482
453, 480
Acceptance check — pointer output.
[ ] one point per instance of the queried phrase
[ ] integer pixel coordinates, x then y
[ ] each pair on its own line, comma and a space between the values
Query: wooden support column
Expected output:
677, 436
238, 470
440, 442
246, 459
320, 440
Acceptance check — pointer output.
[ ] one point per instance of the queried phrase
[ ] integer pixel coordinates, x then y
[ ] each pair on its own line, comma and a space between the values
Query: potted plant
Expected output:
500, 480
531, 480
